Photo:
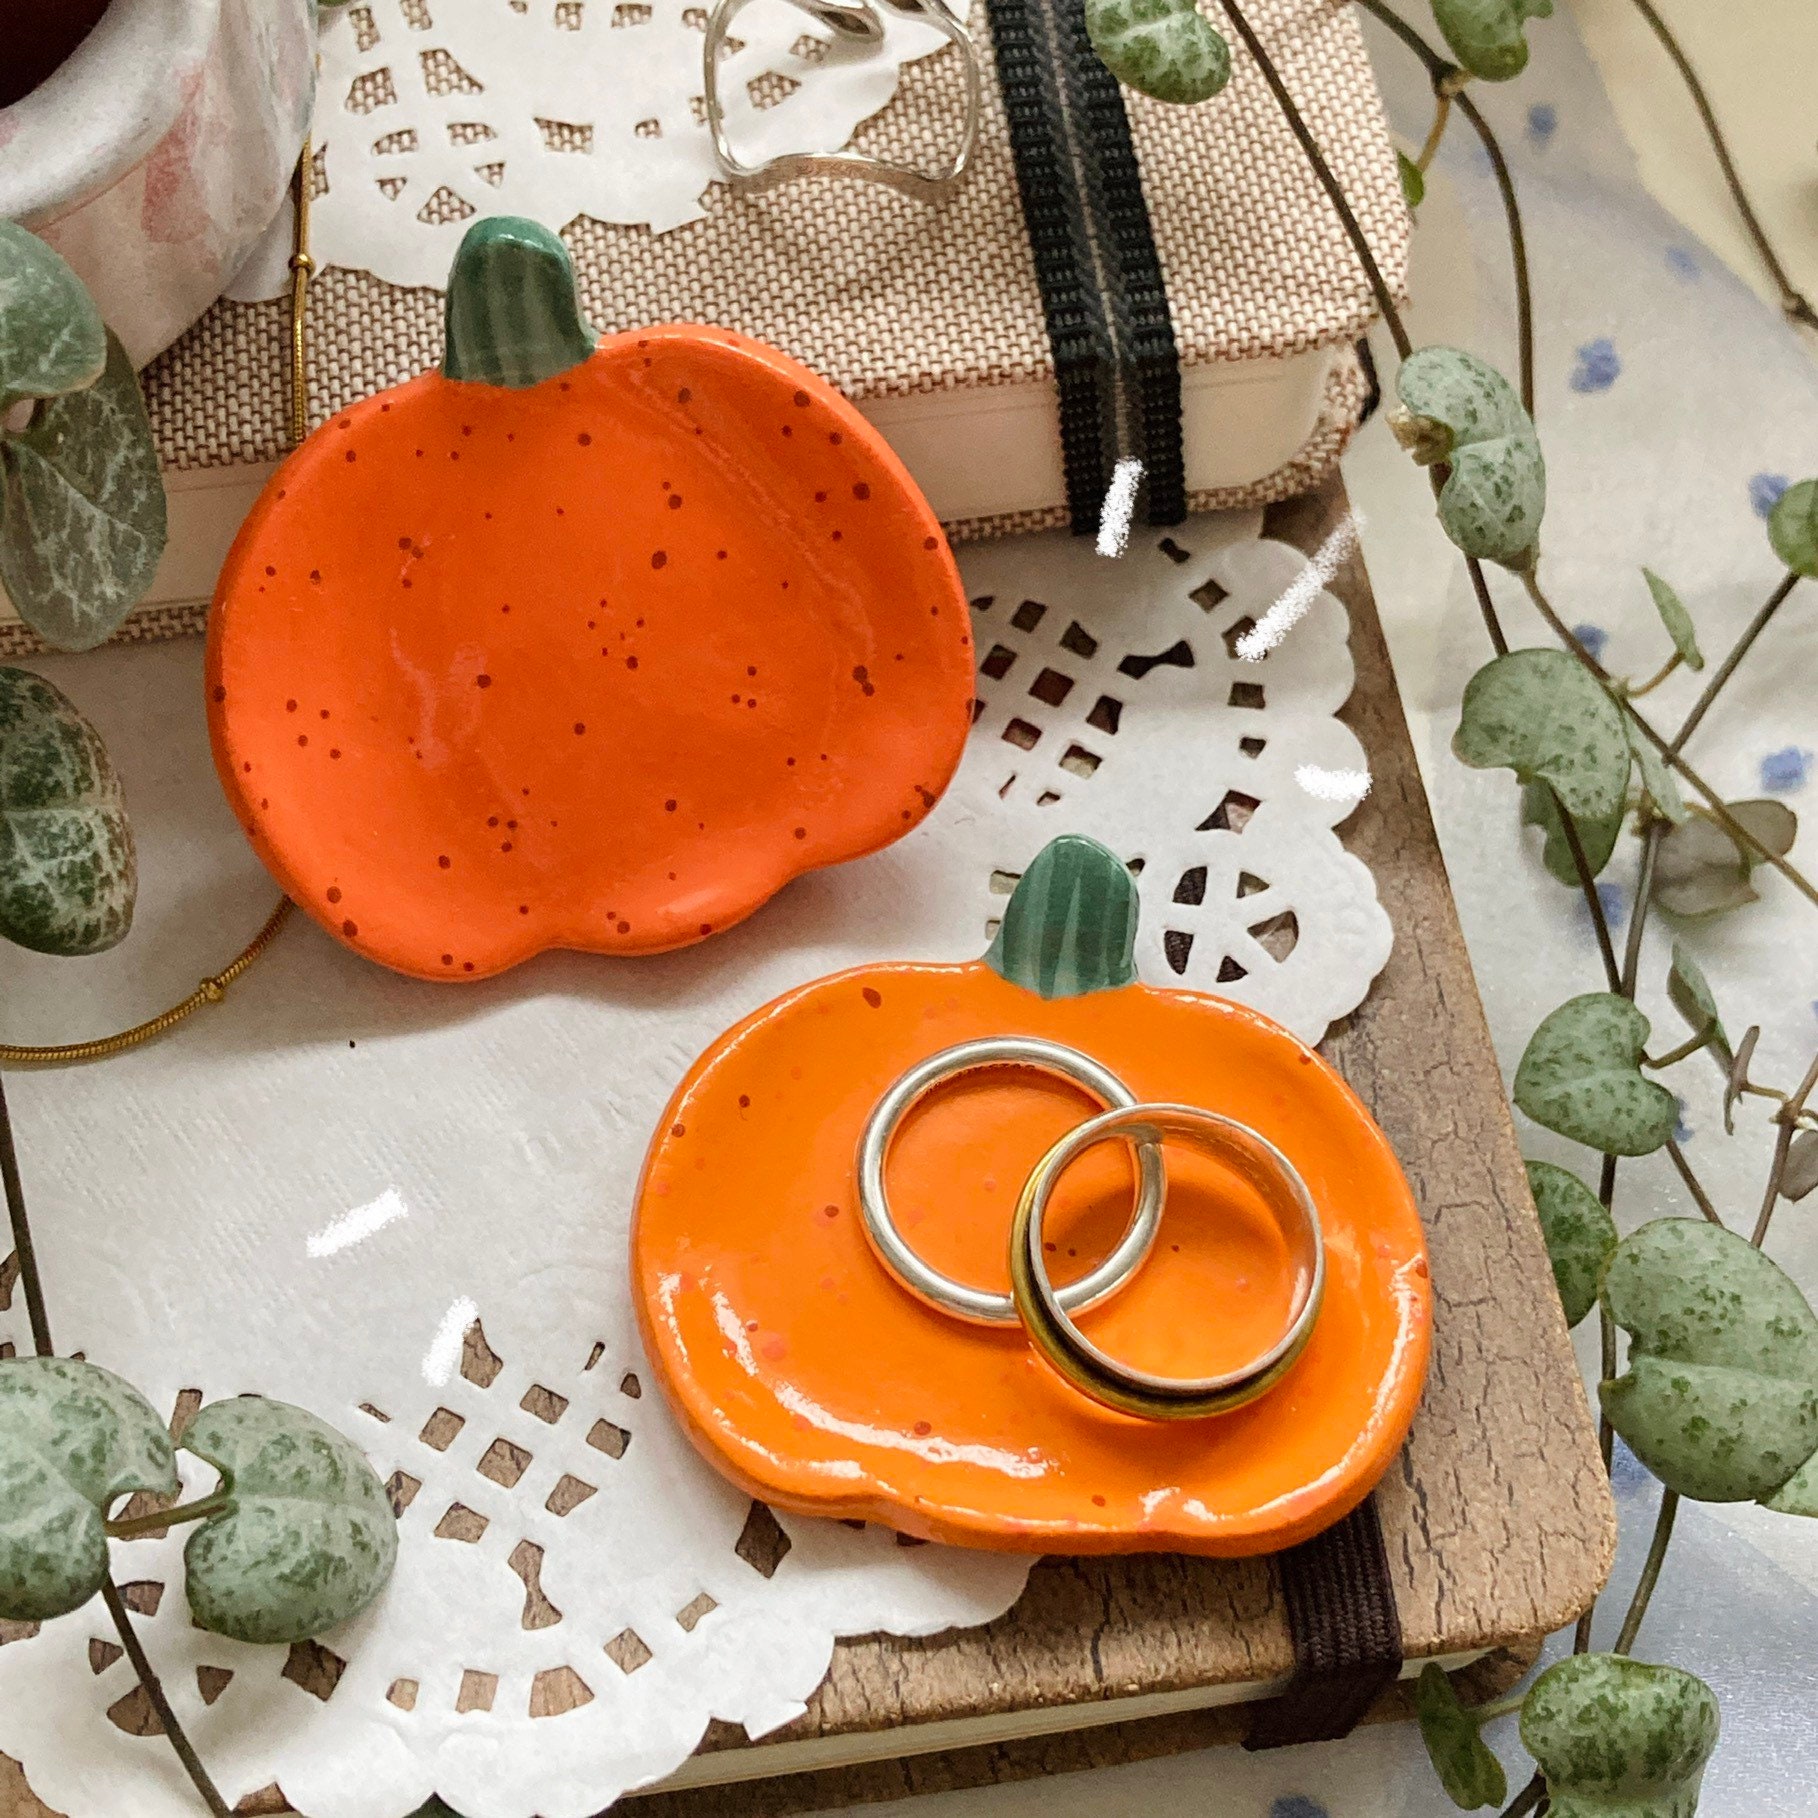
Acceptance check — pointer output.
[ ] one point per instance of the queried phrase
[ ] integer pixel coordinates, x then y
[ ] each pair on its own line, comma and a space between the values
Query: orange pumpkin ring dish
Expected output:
813, 1379
580, 645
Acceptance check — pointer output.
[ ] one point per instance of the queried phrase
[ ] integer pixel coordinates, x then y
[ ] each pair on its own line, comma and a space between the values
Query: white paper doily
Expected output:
304, 1192
430, 112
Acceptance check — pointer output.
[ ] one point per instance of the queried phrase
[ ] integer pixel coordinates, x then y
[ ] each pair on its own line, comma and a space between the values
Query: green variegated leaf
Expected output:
1656, 779
1486, 36
51, 338
308, 1538
1581, 1075
1597, 837
1801, 1173
1799, 1494
1471, 1775
1691, 996
1720, 1398
1793, 528
68, 874
1460, 410
1540, 714
1676, 619
1413, 181
82, 511
1580, 1235
1163, 48
73, 1438
1701, 870
1619, 1738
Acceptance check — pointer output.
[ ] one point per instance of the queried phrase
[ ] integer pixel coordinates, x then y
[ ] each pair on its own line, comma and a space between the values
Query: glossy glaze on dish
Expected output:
600, 662
819, 1384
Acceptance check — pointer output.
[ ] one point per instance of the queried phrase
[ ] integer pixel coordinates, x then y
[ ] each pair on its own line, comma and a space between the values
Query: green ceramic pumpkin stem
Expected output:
1070, 926
513, 317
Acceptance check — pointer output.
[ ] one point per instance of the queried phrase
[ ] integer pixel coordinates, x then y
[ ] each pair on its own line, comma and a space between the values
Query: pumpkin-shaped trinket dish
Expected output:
578, 645
809, 1375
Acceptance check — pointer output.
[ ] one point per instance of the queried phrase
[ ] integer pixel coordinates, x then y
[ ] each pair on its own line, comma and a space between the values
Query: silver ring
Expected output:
1043, 1308
859, 22
979, 1305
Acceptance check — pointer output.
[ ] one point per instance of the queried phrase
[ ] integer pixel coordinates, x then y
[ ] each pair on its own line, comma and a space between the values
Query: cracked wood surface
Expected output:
1497, 1517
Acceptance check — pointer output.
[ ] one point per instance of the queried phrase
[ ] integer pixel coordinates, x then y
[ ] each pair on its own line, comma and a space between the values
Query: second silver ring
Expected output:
980, 1306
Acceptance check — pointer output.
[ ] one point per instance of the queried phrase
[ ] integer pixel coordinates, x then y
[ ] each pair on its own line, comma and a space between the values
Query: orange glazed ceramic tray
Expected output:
578, 645
814, 1380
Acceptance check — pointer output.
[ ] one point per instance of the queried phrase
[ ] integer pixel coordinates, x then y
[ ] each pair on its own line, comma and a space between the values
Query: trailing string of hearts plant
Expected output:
1719, 1398
82, 528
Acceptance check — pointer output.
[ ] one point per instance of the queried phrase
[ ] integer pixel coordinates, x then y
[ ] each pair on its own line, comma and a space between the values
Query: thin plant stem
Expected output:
1771, 1198
1501, 1707
1788, 1119
1686, 1048
154, 1690
1518, 251
1606, 1370
1792, 302
1650, 1571
1713, 801
1486, 605
1693, 1186
1637, 689
132, 1526
30, 1282
1756, 626
1448, 83
1527, 1799
1385, 301
1644, 896
1587, 883
1442, 112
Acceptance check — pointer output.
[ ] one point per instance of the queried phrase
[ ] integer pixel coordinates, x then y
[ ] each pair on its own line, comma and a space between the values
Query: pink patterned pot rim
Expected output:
102, 111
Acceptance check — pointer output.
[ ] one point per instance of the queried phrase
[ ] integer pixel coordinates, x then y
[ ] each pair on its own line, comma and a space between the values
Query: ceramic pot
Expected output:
155, 155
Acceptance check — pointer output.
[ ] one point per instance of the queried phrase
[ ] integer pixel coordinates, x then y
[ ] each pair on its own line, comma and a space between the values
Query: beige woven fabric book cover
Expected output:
927, 316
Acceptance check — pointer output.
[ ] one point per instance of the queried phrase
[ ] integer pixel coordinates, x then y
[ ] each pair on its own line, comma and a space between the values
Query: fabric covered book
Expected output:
937, 319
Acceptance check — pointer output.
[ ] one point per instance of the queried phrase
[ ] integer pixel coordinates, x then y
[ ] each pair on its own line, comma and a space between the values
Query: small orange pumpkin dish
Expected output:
816, 1382
578, 645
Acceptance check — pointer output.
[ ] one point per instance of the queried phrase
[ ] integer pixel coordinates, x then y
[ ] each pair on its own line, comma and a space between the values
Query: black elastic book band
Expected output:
1346, 1634
1079, 333
1103, 296
1142, 326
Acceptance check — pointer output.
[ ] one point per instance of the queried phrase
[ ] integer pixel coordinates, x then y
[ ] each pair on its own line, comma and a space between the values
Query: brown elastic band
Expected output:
1346, 1634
